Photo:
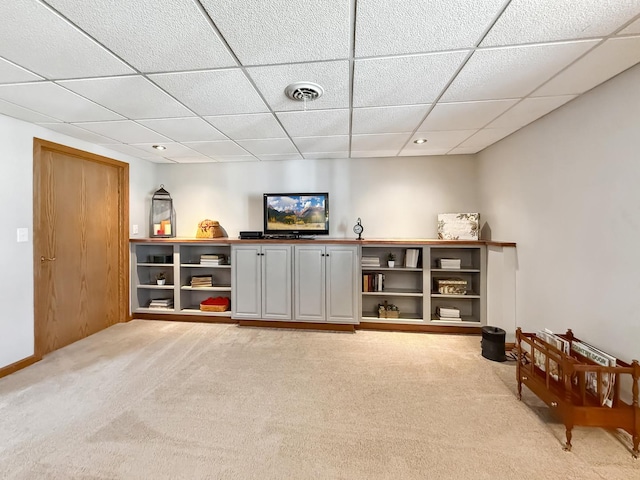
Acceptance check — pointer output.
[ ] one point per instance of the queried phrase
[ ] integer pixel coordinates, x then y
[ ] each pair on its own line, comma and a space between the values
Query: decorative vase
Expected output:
391, 263
161, 282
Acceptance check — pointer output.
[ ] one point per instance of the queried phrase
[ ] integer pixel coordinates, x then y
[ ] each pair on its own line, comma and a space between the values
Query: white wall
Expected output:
16, 198
565, 188
395, 198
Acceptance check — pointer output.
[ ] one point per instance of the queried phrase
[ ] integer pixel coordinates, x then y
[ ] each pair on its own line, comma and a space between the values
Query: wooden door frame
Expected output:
39, 147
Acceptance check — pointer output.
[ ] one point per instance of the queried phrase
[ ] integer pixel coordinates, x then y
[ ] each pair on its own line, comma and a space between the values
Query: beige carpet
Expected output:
160, 400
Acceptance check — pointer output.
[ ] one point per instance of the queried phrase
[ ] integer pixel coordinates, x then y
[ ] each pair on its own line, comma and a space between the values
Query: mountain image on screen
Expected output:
296, 212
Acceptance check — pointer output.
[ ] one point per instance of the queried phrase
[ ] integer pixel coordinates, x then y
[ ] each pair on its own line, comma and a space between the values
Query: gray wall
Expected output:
394, 197
565, 188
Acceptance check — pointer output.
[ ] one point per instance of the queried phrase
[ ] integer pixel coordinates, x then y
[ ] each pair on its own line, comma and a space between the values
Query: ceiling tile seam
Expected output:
244, 72
39, 79
33, 111
625, 25
457, 72
353, 11
64, 18
135, 71
566, 67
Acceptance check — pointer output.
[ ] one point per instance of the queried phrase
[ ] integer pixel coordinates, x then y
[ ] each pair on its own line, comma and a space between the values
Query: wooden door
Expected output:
81, 281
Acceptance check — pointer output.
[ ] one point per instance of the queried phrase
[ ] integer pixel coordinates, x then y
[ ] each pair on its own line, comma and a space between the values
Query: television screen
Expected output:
296, 213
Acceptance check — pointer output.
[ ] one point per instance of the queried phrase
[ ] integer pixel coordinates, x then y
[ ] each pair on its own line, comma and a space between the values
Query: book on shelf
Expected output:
213, 259
449, 263
448, 319
373, 282
202, 281
411, 257
161, 303
370, 261
607, 380
448, 312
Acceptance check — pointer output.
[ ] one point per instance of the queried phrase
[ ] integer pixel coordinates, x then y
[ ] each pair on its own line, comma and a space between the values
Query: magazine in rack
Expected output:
539, 357
591, 378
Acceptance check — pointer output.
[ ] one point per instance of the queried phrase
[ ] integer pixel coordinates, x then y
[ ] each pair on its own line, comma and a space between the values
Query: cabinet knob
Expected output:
47, 259
554, 404
525, 378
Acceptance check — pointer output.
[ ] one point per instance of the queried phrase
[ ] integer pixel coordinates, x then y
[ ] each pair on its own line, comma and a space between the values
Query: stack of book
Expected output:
161, 303
411, 257
202, 281
373, 282
450, 263
370, 262
450, 314
213, 259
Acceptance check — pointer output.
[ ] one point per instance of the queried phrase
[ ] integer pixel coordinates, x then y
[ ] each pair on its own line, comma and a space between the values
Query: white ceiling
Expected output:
206, 78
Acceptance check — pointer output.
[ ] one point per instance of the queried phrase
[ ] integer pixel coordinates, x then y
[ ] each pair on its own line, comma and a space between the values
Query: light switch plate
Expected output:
134, 229
23, 235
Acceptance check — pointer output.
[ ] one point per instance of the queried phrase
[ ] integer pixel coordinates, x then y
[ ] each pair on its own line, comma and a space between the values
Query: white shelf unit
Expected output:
147, 261
402, 286
190, 297
472, 304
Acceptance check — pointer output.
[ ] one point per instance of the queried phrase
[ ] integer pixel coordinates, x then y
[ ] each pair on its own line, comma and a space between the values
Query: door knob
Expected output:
47, 259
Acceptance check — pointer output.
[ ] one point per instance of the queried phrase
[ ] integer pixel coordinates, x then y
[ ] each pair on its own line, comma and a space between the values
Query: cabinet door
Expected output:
246, 281
276, 282
309, 283
342, 284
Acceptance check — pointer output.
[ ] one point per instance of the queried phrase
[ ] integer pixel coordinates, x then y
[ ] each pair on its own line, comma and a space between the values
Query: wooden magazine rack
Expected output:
562, 385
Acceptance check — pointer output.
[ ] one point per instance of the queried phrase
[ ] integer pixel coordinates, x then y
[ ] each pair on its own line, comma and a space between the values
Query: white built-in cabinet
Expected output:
261, 282
325, 283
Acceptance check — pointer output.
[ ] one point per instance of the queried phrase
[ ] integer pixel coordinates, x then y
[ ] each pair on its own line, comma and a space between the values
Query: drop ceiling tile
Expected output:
401, 119
603, 62
190, 129
416, 26
633, 28
464, 115
325, 155
314, 123
195, 159
151, 35
527, 21
436, 141
130, 150
429, 151
333, 77
338, 143
381, 153
237, 158
403, 80
35, 37
125, 131
252, 126
22, 113
134, 97
173, 150
512, 72
488, 136
216, 92
390, 142
464, 150
77, 132
225, 148
528, 110
11, 73
289, 156
279, 31
159, 160
52, 100
268, 146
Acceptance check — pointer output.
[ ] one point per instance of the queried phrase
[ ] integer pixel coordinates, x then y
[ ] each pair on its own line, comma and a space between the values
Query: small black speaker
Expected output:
493, 339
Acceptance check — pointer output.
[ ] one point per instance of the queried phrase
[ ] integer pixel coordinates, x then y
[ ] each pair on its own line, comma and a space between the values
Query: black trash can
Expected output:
493, 339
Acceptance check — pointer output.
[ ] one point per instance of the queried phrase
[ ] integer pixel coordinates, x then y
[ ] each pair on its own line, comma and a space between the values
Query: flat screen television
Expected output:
296, 214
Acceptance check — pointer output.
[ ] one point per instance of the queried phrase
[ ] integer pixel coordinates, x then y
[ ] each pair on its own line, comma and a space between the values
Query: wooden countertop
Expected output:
326, 241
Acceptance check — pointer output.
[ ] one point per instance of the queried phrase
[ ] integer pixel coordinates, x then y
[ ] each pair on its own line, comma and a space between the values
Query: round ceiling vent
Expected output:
304, 91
